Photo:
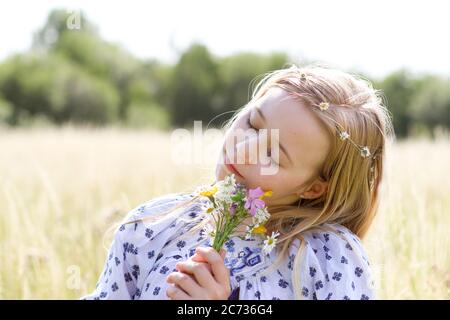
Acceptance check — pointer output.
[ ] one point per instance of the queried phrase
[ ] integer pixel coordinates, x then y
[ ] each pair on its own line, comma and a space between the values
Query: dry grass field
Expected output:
61, 189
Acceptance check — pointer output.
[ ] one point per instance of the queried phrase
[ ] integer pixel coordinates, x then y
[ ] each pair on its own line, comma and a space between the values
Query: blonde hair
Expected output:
349, 200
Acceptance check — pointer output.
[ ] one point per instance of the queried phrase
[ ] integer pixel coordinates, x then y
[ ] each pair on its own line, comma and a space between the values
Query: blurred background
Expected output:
91, 91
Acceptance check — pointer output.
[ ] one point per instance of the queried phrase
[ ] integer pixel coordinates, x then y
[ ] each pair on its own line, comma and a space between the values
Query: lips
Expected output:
233, 169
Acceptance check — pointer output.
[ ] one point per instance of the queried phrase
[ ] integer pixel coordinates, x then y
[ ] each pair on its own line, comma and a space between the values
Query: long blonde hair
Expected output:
349, 200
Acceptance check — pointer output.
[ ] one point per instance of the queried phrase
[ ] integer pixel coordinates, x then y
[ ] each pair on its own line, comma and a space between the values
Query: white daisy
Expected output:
324, 106
223, 196
344, 135
225, 190
270, 242
261, 216
365, 152
248, 232
230, 181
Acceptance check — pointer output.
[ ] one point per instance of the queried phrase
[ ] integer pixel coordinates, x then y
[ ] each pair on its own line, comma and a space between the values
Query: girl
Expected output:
333, 134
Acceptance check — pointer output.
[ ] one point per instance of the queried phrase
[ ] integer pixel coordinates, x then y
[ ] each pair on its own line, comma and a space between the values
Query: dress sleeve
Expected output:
335, 267
134, 250
117, 280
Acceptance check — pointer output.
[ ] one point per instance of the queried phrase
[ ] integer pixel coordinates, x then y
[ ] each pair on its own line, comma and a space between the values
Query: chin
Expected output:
222, 172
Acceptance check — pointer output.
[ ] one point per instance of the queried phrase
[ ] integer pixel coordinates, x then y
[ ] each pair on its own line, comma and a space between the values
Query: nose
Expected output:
247, 151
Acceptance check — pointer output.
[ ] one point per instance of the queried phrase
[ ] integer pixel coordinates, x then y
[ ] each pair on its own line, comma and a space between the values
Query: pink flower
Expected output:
253, 200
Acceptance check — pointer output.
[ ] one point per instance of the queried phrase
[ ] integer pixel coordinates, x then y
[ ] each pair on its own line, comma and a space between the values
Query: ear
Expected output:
315, 190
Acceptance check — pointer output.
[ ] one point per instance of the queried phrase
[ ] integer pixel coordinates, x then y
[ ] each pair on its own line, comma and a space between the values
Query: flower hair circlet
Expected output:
344, 135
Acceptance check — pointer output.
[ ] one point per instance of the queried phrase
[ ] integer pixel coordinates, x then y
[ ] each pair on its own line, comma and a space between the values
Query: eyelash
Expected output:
269, 153
249, 123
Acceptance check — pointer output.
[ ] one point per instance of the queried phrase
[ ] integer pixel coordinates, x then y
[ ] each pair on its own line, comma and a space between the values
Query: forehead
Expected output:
301, 132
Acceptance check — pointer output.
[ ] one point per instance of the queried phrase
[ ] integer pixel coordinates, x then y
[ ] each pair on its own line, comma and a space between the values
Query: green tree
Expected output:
431, 104
6, 110
399, 88
195, 87
56, 26
103, 60
240, 73
49, 85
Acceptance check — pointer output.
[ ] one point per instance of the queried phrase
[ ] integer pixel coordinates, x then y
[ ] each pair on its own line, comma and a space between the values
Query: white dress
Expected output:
142, 254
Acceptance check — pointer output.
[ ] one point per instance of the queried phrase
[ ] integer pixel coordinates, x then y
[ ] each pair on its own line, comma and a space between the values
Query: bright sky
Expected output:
375, 37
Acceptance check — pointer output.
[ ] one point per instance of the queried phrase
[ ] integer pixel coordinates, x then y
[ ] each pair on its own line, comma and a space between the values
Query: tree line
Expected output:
76, 76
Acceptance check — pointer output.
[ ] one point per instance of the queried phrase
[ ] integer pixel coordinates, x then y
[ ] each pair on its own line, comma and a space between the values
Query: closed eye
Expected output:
269, 151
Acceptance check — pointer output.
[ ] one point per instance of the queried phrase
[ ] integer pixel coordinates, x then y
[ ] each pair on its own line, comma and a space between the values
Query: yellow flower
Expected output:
210, 192
259, 230
266, 194
209, 210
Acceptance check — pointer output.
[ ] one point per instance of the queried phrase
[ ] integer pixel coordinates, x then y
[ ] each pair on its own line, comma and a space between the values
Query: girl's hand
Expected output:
204, 276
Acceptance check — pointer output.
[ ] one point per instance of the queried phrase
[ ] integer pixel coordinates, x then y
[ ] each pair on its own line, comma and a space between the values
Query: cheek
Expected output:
282, 184
265, 182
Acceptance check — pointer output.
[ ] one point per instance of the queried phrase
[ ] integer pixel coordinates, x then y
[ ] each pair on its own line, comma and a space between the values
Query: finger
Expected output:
200, 270
175, 293
220, 271
199, 258
222, 253
185, 282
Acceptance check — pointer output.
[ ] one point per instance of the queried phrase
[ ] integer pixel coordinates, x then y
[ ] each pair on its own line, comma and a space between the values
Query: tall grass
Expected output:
61, 189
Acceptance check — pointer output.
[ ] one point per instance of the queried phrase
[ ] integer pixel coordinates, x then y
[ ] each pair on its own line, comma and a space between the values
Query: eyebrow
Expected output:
259, 111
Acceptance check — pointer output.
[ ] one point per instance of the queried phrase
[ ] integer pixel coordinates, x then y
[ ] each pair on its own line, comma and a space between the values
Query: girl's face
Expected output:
303, 145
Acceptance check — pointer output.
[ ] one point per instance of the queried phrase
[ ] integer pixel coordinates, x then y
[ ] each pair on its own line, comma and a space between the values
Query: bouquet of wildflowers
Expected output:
231, 204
